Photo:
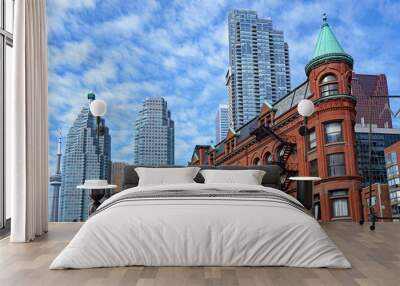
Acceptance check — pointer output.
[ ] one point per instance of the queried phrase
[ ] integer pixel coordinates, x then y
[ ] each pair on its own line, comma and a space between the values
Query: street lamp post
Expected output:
305, 109
98, 108
305, 183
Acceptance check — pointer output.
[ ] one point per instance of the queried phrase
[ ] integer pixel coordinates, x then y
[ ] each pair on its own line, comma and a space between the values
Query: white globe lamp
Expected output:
305, 107
98, 107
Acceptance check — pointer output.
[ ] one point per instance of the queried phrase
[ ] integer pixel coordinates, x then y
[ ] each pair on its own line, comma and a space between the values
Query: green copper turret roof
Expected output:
91, 96
327, 47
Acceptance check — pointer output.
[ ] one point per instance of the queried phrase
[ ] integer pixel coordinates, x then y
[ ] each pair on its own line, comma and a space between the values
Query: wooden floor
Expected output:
375, 257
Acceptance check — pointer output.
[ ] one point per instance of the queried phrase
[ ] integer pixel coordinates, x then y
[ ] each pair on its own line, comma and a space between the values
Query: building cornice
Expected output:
287, 120
324, 59
335, 96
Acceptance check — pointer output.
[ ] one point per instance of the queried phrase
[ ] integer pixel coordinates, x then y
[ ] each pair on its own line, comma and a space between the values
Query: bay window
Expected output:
312, 140
336, 165
314, 168
339, 203
333, 132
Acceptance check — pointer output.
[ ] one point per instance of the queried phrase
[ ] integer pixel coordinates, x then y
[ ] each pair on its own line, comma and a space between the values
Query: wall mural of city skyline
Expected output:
125, 52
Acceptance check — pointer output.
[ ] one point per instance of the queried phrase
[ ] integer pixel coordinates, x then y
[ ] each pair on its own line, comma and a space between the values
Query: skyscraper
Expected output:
258, 65
372, 90
380, 139
87, 156
221, 123
55, 182
154, 134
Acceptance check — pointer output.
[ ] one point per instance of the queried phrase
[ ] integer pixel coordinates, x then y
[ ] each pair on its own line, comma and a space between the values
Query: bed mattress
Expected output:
201, 225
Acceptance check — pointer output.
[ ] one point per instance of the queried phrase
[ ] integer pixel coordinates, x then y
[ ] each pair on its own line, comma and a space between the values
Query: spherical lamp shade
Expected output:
98, 107
305, 107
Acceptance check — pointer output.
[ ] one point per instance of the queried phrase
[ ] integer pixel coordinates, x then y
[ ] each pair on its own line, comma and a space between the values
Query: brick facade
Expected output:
380, 201
337, 195
392, 164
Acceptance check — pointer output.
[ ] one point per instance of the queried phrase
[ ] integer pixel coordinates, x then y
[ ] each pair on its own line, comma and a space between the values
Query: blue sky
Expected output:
125, 51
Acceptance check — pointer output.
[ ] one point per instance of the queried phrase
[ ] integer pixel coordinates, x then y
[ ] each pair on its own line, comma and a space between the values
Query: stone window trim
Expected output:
328, 84
335, 196
331, 122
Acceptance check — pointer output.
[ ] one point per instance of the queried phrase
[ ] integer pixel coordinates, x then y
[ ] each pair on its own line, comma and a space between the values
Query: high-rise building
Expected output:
221, 123
372, 90
380, 139
258, 65
154, 134
117, 174
87, 156
55, 182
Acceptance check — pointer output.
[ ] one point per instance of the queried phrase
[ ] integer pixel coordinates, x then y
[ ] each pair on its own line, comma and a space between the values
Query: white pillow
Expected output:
248, 177
166, 176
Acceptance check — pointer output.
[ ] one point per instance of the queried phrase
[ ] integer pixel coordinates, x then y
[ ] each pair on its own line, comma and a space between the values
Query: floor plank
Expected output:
375, 257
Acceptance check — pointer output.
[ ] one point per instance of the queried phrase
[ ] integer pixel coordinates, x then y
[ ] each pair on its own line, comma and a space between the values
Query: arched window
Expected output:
328, 85
257, 161
267, 158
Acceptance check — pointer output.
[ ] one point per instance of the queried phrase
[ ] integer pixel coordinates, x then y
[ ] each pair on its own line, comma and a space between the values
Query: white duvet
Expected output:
203, 231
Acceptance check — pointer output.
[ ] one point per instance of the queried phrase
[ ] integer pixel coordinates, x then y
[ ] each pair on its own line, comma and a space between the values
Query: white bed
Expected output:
242, 227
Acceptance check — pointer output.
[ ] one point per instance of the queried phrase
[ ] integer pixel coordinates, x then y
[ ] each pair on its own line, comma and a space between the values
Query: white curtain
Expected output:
340, 208
27, 123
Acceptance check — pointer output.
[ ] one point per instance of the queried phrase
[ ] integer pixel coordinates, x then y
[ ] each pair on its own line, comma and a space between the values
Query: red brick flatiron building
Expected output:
273, 135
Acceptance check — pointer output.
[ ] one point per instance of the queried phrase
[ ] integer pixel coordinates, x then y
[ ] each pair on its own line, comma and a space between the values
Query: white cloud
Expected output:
65, 5
71, 54
99, 75
170, 63
125, 25
58, 13
179, 50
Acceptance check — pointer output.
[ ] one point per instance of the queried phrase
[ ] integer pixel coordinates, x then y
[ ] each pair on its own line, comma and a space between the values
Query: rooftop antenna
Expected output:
59, 138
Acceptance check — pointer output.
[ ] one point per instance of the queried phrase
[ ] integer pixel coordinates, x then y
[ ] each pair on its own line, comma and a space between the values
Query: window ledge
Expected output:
341, 218
334, 143
312, 150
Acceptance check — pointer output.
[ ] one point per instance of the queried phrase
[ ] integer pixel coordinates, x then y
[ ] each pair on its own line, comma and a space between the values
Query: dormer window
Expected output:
328, 85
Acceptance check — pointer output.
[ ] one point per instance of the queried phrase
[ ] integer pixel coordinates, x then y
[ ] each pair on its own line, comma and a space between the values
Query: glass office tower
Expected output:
221, 123
380, 139
154, 134
86, 156
258, 65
